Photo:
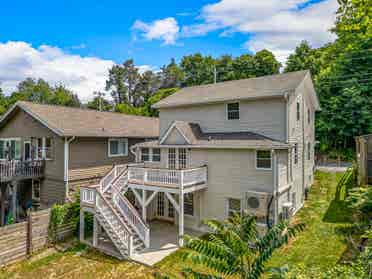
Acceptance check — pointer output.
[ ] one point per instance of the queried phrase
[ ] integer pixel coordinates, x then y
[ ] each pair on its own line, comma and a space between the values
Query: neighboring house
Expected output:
364, 158
46, 151
225, 148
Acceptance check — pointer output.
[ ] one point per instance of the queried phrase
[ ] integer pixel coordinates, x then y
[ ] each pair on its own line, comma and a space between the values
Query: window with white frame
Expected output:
118, 147
150, 154
263, 159
156, 154
188, 203
145, 154
182, 158
234, 207
10, 149
233, 111
295, 153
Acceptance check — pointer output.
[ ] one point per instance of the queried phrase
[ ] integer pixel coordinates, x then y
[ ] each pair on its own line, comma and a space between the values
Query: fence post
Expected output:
29, 233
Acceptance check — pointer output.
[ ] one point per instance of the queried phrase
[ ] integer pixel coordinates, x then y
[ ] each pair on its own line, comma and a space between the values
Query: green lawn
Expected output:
319, 247
323, 243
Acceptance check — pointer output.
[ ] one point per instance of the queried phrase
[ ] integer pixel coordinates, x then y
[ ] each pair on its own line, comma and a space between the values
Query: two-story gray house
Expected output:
224, 148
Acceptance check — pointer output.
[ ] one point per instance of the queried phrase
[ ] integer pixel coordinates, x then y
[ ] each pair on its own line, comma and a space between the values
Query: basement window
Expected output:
189, 204
233, 111
233, 207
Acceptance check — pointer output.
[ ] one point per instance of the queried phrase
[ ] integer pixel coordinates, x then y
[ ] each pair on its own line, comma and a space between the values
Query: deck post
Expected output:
82, 226
181, 213
95, 231
2, 204
14, 200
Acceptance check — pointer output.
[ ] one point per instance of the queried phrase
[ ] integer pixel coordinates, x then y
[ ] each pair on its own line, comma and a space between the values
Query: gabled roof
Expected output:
68, 121
197, 138
244, 89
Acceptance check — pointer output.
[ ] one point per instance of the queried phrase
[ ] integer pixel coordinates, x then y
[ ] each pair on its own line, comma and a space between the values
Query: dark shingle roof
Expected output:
67, 121
198, 138
252, 88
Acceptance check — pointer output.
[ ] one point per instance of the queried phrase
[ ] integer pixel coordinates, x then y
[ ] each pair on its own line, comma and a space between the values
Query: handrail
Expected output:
13, 169
105, 185
130, 212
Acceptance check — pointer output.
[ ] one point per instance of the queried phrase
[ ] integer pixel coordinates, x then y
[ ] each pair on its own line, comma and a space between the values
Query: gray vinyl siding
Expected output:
266, 117
175, 137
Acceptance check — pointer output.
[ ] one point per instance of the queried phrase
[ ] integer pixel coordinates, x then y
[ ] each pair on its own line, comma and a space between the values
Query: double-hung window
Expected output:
150, 154
263, 159
233, 111
233, 207
118, 147
43, 148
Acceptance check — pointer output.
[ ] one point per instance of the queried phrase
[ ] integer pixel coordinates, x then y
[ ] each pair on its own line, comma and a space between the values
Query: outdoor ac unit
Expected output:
256, 203
288, 210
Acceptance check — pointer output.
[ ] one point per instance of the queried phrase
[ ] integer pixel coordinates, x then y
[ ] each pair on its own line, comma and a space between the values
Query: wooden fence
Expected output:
20, 240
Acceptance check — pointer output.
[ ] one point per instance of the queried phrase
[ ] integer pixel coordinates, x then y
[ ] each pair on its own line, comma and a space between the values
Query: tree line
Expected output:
341, 72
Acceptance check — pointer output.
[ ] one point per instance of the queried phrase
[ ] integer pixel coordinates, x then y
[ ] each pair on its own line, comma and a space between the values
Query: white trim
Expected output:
119, 140
227, 111
66, 162
169, 131
227, 207
151, 154
271, 160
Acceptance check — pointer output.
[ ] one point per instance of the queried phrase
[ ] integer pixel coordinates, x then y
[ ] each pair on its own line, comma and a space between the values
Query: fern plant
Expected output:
235, 248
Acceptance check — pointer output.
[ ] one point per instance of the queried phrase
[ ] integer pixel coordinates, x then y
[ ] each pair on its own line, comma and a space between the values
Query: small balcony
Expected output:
18, 170
168, 178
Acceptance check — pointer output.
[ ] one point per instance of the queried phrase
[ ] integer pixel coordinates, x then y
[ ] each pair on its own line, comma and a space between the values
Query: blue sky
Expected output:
68, 41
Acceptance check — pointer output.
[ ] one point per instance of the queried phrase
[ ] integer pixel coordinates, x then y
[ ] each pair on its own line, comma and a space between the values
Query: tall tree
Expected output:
198, 69
148, 84
171, 75
244, 66
265, 63
122, 82
99, 102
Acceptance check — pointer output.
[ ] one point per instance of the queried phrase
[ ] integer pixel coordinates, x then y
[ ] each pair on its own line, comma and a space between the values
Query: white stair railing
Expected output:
117, 226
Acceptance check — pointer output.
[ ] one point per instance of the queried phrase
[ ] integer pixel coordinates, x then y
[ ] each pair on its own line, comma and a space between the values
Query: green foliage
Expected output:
129, 109
360, 200
64, 214
235, 248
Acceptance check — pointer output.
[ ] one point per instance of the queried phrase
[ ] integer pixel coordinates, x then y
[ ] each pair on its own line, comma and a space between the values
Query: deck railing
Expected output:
10, 170
168, 177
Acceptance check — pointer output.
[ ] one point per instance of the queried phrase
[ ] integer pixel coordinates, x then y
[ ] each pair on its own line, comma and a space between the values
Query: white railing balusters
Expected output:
20, 169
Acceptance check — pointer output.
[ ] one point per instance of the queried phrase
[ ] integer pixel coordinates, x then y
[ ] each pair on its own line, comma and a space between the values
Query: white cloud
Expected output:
278, 25
83, 75
166, 29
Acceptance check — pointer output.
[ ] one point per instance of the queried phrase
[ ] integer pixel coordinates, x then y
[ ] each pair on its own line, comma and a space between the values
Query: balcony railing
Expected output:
167, 177
13, 170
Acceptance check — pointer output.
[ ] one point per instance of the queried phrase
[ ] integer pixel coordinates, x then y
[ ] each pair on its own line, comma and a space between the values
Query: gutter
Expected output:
66, 162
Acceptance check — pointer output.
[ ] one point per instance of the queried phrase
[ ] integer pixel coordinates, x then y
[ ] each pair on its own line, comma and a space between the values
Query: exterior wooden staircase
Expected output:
116, 215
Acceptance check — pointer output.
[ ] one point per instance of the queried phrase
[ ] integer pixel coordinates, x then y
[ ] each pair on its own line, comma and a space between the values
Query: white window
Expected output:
150, 154
156, 154
233, 111
296, 153
10, 149
263, 159
182, 158
233, 207
118, 147
188, 204
145, 154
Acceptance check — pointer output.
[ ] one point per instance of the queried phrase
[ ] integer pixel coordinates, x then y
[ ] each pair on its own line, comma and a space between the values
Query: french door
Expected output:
165, 209
178, 158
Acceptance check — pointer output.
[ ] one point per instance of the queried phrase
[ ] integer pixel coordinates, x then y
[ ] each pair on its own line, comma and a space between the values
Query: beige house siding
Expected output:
175, 137
265, 117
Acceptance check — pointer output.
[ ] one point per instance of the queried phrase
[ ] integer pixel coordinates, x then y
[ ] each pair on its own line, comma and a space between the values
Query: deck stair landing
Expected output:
120, 221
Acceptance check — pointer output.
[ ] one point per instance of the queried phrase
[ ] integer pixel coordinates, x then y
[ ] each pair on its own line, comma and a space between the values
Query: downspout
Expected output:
66, 163
276, 190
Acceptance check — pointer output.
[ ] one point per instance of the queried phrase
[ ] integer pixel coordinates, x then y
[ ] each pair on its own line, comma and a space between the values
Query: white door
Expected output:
164, 209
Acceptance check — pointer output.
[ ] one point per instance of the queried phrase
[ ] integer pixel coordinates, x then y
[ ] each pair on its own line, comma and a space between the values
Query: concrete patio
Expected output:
163, 241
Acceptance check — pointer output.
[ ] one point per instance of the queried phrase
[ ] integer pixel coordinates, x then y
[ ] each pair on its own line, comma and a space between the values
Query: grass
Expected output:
319, 247
324, 242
